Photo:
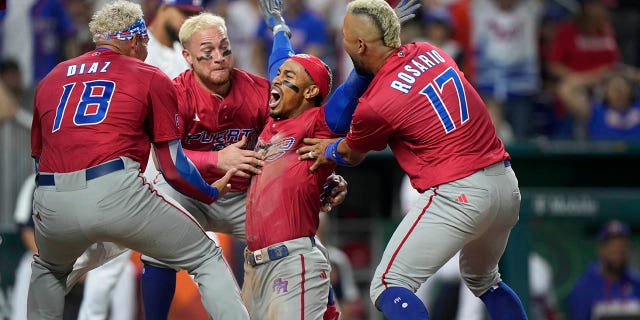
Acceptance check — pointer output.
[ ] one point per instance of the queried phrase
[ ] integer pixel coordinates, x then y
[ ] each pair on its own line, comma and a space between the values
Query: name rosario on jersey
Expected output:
86, 68
418, 66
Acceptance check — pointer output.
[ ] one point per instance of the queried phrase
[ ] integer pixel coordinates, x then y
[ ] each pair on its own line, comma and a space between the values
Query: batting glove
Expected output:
405, 10
272, 14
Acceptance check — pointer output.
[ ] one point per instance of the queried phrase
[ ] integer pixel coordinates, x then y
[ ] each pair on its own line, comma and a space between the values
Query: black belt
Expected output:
90, 173
507, 163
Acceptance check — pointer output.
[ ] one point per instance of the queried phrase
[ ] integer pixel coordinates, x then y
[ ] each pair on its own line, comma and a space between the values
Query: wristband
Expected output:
332, 154
215, 193
282, 27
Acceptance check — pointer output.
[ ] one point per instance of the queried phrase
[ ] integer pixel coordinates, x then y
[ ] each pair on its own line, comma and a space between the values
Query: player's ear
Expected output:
311, 92
187, 56
362, 46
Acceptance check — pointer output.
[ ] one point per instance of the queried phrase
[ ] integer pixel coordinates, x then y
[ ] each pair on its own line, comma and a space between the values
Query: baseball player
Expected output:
90, 145
286, 275
165, 52
421, 105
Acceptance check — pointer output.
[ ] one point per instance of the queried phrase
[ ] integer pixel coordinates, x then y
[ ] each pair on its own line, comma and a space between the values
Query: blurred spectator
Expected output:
505, 41
243, 19
582, 53
308, 31
608, 289
10, 89
342, 279
22, 216
438, 29
617, 115
81, 11
38, 34
165, 50
625, 17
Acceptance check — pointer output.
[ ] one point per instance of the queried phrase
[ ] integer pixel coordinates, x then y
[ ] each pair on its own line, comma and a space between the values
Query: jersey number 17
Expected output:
435, 97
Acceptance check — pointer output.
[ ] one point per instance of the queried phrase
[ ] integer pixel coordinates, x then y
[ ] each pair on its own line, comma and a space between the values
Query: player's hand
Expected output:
335, 191
314, 149
272, 14
223, 184
406, 9
248, 162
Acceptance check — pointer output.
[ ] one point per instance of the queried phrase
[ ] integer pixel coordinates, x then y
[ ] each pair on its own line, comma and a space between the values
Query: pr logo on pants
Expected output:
280, 286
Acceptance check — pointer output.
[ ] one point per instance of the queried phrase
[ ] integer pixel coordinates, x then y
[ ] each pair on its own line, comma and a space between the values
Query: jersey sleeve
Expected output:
181, 174
164, 122
205, 161
369, 131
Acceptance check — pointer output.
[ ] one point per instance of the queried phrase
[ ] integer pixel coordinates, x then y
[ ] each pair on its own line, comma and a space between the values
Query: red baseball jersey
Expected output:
213, 122
420, 104
89, 110
284, 200
582, 52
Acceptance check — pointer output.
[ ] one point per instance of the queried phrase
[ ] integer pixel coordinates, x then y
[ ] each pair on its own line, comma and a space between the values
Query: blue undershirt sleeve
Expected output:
280, 52
343, 102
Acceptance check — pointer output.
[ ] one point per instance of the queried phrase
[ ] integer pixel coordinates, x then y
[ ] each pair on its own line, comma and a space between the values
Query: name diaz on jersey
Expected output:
94, 67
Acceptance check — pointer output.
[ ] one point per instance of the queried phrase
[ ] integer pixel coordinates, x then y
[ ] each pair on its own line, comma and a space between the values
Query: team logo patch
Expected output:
280, 286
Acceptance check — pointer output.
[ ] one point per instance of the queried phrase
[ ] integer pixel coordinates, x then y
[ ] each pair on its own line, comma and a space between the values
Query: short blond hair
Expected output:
382, 16
202, 21
114, 17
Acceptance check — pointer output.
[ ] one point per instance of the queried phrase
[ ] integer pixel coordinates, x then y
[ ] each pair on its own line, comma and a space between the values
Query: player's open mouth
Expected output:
276, 94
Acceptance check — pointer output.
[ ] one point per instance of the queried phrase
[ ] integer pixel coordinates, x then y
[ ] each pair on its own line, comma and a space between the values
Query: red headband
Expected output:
318, 71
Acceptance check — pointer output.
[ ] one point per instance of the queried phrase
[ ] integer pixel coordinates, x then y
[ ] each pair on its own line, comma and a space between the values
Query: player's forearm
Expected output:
205, 161
340, 153
181, 174
343, 102
351, 156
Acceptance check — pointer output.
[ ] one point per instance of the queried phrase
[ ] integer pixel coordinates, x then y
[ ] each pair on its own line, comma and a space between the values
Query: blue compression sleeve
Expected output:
157, 286
280, 52
398, 303
343, 102
503, 303
181, 174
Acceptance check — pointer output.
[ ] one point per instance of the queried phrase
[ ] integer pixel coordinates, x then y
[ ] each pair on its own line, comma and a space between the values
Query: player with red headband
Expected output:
286, 274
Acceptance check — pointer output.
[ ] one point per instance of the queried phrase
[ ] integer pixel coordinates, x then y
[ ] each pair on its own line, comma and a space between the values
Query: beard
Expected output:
614, 268
171, 32
359, 67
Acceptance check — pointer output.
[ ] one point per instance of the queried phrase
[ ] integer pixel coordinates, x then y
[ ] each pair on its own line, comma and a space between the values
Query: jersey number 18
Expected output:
95, 93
